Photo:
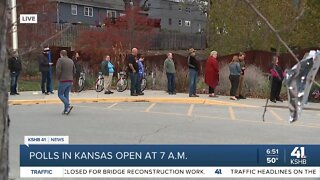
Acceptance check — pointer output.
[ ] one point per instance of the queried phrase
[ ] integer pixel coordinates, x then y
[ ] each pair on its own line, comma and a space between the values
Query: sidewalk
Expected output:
89, 96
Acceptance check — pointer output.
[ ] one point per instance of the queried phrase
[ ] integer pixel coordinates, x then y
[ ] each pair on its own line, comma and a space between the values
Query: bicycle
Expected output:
122, 83
100, 83
81, 81
143, 83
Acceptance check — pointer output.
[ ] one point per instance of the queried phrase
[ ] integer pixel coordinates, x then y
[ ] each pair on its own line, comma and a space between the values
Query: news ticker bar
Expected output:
170, 172
169, 155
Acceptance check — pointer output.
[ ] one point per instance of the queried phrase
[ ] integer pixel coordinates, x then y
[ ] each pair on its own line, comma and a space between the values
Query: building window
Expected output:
170, 6
112, 14
74, 10
180, 8
88, 11
188, 10
170, 21
187, 23
180, 22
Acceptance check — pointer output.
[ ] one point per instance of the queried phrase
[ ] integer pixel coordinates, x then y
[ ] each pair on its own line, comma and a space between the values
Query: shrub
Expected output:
256, 83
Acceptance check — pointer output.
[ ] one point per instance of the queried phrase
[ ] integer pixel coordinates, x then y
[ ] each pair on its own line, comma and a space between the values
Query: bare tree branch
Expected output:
253, 7
275, 32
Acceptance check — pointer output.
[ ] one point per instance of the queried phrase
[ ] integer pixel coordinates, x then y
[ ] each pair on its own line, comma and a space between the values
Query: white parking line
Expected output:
231, 112
150, 107
190, 110
111, 106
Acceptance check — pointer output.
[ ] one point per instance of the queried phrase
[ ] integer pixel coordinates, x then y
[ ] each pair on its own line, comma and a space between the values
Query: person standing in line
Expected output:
141, 71
44, 68
235, 71
49, 55
241, 81
15, 67
107, 70
212, 73
277, 78
65, 70
193, 73
170, 70
133, 71
79, 69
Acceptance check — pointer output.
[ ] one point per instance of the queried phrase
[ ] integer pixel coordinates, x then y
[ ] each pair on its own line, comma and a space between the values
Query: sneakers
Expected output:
273, 100
134, 94
140, 93
279, 99
193, 95
108, 92
241, 97
233, 98
68, 110
213, 95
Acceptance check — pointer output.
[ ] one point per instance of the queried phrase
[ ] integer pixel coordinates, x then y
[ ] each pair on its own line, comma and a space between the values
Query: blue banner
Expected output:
169, 155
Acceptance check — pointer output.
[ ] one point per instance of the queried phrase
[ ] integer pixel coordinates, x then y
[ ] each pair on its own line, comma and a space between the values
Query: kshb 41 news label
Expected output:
45, 157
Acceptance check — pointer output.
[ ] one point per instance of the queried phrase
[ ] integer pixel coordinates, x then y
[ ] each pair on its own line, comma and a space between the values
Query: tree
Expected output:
4, 119
234, 27
117, 37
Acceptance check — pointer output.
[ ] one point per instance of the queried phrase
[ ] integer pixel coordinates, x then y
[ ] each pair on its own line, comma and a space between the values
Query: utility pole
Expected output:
14, 24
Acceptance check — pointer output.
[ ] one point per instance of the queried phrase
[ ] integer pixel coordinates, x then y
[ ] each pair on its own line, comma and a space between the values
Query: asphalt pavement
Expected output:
156, 118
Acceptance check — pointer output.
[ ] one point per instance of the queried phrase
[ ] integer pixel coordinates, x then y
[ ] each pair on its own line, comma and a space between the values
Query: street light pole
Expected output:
14, 25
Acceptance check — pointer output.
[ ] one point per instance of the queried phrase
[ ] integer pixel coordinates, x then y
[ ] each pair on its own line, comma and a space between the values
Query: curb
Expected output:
131, 99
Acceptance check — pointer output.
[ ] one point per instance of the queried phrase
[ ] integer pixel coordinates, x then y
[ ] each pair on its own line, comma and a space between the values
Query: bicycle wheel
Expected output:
143, 84
122, 85
81, 85
99, 85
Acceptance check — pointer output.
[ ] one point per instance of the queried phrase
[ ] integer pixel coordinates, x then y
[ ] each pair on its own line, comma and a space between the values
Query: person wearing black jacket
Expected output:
15, 69
79, 69
44, 68
193, 73
277, 78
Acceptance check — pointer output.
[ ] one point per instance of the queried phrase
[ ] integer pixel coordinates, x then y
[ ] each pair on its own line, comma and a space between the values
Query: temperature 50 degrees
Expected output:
272, 160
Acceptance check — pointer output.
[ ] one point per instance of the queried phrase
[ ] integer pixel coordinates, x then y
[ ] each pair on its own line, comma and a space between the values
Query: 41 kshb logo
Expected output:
299, 155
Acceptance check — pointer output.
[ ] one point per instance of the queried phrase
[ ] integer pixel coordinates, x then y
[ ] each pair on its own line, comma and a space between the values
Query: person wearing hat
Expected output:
44, 68
193, 73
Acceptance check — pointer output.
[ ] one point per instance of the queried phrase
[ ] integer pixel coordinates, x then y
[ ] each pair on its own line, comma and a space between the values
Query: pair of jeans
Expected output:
45, 82
193, 76
135, 85
234, 79
171, 82
63, 93
14, 82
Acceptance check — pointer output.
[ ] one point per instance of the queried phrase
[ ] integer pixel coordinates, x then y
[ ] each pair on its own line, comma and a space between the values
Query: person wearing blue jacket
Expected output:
140, 72
107, 70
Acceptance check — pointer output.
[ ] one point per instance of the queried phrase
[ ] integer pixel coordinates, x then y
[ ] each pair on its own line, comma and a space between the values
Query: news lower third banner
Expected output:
169, 161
